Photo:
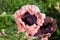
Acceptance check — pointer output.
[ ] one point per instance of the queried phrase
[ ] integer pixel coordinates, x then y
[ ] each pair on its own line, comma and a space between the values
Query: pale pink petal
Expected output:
44, 38
3, 32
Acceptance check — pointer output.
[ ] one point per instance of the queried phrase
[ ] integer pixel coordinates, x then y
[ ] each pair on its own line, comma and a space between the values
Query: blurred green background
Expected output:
8, 7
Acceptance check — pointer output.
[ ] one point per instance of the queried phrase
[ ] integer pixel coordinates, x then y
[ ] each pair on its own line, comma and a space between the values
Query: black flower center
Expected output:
47, 28
44, 29
29, 19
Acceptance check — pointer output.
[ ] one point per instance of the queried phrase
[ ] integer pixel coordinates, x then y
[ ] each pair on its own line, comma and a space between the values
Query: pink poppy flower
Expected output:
29, 19
49, 26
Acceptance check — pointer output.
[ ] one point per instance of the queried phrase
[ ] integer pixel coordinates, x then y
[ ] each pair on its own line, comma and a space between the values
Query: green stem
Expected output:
6, 15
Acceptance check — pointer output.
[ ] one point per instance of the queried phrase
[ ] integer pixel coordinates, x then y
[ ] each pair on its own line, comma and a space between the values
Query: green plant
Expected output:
7, 21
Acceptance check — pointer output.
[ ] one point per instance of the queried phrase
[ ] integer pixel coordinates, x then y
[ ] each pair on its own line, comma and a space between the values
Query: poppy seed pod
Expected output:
29, 19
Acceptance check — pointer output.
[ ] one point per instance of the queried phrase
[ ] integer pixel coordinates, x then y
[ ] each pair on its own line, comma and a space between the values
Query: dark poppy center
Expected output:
29, 19
47, 28
44, 29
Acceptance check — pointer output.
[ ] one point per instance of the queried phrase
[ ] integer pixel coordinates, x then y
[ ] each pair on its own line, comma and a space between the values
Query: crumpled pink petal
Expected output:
45, 38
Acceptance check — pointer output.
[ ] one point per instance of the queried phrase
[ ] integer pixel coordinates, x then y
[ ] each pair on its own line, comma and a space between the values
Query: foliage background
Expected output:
7, 22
